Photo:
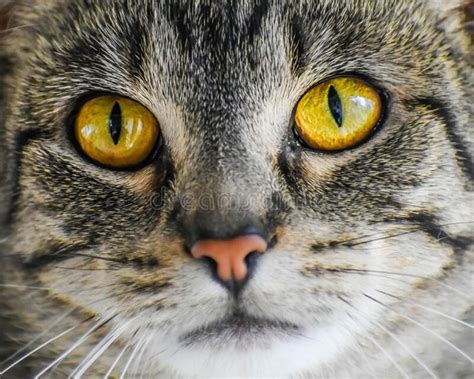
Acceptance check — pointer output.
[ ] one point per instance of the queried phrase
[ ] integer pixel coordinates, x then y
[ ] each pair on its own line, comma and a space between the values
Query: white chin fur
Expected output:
277, 357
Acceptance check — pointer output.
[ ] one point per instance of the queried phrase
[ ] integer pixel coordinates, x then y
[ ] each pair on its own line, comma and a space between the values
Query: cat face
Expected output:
349, 233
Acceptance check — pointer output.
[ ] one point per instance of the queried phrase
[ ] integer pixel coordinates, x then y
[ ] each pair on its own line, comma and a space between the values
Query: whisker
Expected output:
359, 346
364, 271
388, 356
114, 363
424, 328
405, 347
23, 357
381, 238
86, 269
98, 350
130, 359
21, 286
396, 339
410, 229
143, 348
361, 352
87, 334
85, 363
64, 253
73, 347
54, 324
431, 310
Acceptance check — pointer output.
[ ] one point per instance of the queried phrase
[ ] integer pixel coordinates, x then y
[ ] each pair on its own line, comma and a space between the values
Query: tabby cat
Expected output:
237, 189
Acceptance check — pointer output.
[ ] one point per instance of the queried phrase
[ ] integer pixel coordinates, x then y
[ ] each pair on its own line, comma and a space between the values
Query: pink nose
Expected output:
230, 254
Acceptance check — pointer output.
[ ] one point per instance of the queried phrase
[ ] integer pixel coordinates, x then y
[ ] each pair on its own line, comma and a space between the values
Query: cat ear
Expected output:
456, 18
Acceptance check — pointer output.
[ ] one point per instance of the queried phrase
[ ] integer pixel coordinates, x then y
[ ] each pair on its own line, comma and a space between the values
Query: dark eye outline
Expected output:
70, 132
386, 106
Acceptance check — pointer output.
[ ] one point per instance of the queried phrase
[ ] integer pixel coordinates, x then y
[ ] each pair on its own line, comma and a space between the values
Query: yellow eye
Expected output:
338, 114
115, 131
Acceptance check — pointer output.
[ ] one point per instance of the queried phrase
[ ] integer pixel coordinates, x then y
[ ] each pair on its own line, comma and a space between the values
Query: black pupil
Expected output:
335, 105
115, 123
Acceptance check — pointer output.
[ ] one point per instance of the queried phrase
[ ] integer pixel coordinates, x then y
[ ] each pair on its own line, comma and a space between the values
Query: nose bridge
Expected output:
224, 213
232, 189
223, 183
223, 197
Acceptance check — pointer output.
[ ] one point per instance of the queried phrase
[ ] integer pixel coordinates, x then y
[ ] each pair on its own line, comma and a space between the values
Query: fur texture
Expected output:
370, 271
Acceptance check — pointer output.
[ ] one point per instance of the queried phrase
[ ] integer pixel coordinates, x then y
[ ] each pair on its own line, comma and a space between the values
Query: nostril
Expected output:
212, 264
251, 262
232, 285
231, 262
230, 254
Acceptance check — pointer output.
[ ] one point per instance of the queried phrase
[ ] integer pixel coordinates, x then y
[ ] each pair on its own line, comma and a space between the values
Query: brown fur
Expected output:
223, 82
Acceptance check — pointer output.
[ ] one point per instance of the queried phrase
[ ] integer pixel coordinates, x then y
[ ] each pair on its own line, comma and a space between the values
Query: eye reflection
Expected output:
362, 102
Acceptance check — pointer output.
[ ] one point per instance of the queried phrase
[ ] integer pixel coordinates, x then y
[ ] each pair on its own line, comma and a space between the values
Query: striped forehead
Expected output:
215, 67
231, 56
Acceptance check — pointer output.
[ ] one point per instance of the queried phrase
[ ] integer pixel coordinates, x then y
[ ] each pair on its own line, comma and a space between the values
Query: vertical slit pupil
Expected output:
115, 123
335, 105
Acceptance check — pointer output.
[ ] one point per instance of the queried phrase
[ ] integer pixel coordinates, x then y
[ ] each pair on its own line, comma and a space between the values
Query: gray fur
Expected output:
365, 238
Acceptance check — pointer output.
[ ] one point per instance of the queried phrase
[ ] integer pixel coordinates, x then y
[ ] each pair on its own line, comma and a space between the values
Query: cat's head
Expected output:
222, 86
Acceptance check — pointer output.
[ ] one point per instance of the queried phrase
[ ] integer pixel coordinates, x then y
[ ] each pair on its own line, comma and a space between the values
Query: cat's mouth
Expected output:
239, 328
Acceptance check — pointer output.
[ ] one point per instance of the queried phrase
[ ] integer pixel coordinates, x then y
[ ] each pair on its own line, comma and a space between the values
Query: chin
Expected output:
242, 346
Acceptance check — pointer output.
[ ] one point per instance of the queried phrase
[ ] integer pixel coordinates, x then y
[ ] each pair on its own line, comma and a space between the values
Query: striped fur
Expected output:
370, 272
